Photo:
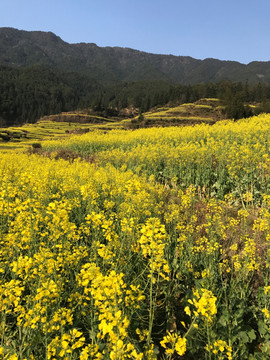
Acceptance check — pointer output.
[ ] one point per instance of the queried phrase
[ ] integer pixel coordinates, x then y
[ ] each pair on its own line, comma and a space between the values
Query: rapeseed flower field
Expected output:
157, 248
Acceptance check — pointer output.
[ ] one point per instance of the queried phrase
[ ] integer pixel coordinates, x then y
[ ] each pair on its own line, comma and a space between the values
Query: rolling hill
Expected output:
114, 64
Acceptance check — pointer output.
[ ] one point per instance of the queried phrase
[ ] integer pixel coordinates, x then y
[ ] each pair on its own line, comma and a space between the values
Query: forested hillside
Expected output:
40, 75
114, 64
26, 94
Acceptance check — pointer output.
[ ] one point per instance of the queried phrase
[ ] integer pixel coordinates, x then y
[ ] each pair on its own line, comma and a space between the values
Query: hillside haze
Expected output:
20, 48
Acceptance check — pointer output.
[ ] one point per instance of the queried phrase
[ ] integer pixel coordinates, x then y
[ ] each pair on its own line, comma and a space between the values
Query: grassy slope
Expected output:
20, 137
54, 126
203, 111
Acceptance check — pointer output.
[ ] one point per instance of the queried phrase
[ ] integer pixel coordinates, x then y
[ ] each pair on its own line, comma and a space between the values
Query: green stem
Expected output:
191, 325
209, 342
151, 312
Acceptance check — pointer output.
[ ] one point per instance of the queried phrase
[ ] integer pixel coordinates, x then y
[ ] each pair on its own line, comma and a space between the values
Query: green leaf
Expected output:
266, 348
243, 336
262, 327
252, 335
224, 319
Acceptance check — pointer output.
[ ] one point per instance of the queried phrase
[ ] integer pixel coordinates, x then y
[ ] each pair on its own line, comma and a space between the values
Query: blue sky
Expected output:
224, 29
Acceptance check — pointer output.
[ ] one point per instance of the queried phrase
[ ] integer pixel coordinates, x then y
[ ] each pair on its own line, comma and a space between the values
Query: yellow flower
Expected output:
174, 343
13, 357
266, 312
205, 303
181, 346
222, 347
187, 310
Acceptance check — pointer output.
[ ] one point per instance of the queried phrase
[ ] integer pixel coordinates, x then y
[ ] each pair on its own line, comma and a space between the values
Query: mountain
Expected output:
110, 65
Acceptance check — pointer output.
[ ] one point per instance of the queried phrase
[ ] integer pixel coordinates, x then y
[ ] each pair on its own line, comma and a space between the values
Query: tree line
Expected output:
26, 94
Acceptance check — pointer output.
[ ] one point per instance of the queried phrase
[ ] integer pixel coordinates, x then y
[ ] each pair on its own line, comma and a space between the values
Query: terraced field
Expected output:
203, 111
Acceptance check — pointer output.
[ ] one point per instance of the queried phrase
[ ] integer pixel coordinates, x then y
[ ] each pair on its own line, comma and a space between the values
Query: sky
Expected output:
236, 30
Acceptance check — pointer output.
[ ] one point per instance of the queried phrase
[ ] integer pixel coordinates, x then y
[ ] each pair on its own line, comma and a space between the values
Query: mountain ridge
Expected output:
20, 48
